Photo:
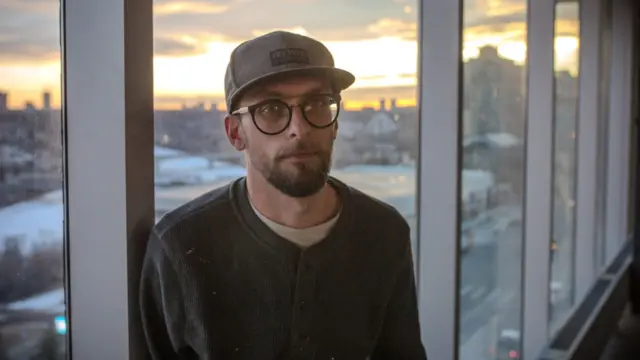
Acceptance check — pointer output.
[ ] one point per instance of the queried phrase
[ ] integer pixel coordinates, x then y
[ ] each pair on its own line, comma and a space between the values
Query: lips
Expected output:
301, 155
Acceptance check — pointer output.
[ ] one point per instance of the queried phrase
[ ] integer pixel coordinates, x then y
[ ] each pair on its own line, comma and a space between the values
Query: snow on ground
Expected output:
501, 140
193, 170
51, 302
183, 163
38, 221
161, 152
476, 181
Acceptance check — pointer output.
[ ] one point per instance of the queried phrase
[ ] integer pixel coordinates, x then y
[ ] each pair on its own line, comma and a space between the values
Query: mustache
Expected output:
299, 149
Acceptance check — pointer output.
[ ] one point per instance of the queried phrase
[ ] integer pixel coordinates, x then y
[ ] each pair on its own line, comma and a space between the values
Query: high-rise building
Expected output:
382, 104
46, 101
4, 102
393, 103
493, 93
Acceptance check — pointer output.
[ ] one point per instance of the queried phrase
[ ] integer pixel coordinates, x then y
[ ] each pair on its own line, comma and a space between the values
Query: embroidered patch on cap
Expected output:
289, 56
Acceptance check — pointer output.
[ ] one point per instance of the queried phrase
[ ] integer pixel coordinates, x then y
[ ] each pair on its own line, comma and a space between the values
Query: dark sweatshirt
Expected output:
218, 284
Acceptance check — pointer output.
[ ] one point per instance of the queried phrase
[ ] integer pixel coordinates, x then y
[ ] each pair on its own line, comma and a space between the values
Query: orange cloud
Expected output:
394, 28
188, 7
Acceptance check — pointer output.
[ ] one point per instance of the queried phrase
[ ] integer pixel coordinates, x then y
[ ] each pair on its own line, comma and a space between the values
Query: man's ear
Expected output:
234, 132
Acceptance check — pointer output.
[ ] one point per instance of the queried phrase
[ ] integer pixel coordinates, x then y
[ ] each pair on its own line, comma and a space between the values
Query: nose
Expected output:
299, 127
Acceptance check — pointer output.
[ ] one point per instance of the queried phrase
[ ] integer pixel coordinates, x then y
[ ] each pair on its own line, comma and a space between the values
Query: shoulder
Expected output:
375, 223
216, 200
379, 234
369, 209
186, 226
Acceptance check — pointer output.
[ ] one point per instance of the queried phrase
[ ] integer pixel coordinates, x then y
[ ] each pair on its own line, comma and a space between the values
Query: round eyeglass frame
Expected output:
251, 109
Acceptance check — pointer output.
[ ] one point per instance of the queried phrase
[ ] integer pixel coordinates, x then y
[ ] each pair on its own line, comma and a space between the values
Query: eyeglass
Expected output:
273, 116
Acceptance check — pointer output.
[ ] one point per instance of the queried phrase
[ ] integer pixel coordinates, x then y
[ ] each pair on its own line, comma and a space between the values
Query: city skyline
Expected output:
379, 46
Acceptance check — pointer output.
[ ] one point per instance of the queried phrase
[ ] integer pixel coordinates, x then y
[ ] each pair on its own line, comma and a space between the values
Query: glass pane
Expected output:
603, 131
32, 302
376, 149
567, 53
491, 240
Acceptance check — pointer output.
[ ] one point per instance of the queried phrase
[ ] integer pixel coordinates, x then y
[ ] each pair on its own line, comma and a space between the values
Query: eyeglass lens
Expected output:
273, 116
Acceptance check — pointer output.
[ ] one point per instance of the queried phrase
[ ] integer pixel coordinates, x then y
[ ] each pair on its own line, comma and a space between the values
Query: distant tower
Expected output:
46, 101
3, 102
382, 104
28, 106
393, 103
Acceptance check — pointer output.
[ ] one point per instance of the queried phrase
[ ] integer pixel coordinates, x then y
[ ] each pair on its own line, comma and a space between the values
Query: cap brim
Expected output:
340, 79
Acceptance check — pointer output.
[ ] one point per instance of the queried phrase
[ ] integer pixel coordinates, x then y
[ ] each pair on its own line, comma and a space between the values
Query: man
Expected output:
288, 262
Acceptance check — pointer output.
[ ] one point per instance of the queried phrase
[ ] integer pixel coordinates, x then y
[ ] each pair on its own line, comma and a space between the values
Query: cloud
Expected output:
29, 31
494, 14
327, 19
29, 28
32, 6
165, 46
381, 77
21, 49
394, 27
369, 94
188, 7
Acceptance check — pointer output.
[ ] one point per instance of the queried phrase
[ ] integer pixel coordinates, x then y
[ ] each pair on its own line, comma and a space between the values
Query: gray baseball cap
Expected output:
277, 54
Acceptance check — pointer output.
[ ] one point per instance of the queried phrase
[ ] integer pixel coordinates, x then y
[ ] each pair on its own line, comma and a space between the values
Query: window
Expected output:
603, 130
376, 149
492, 176
566, 44
32, 300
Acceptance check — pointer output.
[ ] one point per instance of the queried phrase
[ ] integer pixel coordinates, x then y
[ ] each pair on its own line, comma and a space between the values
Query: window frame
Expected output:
440, 100
620, 129
108, 120
107, 75
538, 202
587, 148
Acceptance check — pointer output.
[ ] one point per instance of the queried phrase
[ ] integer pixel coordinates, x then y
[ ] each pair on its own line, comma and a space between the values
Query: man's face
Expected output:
297, 160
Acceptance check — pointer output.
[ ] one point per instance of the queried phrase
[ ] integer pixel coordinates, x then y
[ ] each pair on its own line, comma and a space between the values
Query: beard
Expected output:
294, 178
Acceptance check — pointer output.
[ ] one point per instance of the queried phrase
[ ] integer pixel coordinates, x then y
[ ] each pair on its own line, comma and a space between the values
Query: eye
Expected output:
318, 102
272, 109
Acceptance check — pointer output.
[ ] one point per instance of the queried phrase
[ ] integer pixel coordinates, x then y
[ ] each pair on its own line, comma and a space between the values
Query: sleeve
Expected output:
161, 306
400, 337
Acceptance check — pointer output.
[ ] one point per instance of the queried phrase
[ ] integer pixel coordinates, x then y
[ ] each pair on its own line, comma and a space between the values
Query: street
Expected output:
490, 287
490, 290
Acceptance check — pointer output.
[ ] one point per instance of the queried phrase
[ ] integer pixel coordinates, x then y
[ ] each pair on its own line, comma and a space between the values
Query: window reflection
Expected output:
376, 149
32, 304
492, 175
567, 35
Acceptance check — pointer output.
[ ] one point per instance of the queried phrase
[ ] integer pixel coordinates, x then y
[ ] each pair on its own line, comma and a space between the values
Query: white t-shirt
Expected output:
301, 237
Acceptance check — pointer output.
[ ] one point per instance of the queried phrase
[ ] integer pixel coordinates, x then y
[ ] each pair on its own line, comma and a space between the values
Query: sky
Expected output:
374, 39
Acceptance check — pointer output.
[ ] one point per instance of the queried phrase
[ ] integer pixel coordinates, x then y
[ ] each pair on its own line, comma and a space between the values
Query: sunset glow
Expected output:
377, 62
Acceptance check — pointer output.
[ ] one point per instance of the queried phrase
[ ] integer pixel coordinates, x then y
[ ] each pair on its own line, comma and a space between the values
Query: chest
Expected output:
300, 307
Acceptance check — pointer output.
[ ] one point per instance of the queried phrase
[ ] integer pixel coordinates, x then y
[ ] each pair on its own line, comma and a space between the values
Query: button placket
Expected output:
302, 308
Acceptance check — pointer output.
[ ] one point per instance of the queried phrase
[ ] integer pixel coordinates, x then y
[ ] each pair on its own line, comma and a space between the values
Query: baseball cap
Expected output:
277, 54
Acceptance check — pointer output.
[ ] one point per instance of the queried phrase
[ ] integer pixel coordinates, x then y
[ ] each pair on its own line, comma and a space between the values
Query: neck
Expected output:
300, 212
